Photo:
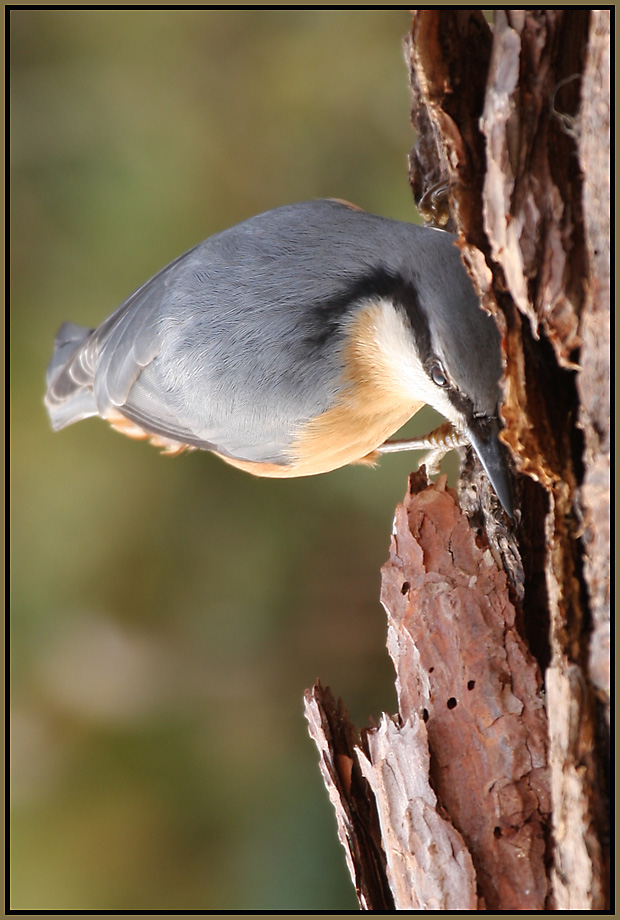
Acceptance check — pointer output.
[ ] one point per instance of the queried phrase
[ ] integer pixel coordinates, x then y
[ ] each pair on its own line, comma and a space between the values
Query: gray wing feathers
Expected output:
92, 372
129, 339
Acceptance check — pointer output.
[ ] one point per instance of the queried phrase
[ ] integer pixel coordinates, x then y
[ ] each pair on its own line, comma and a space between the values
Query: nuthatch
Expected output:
291, 344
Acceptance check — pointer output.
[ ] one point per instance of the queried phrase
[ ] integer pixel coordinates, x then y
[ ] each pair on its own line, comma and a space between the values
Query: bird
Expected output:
294, 343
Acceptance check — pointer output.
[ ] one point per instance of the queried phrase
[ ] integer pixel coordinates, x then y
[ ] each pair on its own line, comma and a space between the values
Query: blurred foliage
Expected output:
167, 615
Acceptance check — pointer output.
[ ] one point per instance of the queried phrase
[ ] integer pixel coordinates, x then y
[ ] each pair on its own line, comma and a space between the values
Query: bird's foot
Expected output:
438, 443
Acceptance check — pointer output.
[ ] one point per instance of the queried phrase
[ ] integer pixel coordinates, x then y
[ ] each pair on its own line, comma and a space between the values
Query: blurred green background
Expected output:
167, 615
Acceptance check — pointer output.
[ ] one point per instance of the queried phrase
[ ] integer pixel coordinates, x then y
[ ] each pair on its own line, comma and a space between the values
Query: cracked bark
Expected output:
487, 791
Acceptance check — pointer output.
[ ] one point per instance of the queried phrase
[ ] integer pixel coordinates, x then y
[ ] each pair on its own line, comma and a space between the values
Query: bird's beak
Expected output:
491, 454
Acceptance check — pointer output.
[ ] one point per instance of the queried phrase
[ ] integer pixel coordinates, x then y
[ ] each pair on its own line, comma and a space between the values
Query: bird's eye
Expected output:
438, 375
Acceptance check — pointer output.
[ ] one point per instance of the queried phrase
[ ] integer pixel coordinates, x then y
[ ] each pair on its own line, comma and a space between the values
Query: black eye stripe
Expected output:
325, 316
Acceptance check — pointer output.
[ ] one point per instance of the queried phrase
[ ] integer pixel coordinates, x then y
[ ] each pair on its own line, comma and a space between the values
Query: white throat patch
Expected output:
383, 338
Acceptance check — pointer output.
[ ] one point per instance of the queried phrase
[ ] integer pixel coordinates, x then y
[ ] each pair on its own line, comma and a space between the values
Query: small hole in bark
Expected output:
425, 715
471, 684
430, 670
405, 587
497, 832
451, 703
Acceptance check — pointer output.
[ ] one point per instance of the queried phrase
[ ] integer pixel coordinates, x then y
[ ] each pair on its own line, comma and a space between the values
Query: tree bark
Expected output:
488, 790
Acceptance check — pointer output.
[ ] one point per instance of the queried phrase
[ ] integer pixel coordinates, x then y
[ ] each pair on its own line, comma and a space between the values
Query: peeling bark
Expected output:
428, 864
507, 781
594, 358
356, 813
461, 663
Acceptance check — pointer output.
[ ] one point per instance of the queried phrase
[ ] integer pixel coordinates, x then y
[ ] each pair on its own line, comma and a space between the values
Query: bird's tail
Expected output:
69, 396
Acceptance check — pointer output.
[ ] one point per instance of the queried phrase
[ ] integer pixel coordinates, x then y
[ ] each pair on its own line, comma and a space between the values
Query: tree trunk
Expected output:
488, 790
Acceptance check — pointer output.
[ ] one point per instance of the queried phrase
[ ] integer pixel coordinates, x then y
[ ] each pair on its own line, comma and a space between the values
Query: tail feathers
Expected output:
69, 397
67, 340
